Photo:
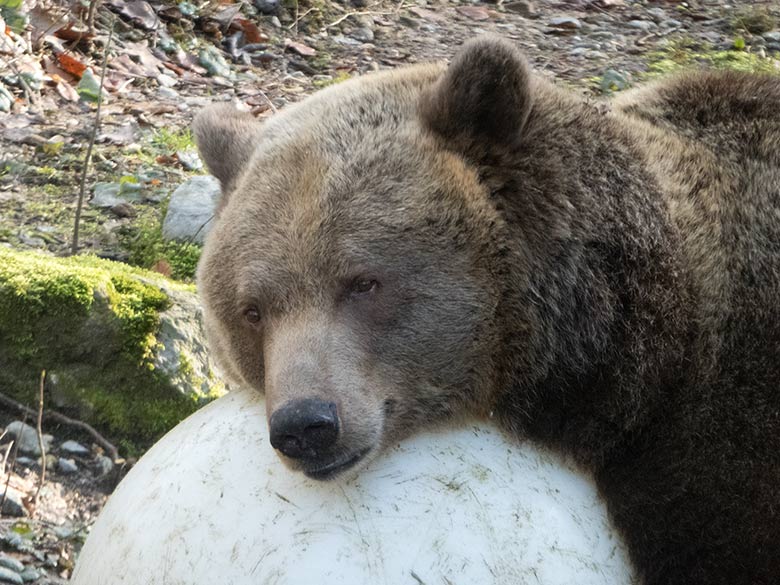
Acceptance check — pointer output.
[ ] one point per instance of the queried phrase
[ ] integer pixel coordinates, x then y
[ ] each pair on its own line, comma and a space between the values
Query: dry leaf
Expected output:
162, 267
168, 160
54, 70
252, 34
66, 90
71, 64
146, 59
226, 15
125, 64
73, 34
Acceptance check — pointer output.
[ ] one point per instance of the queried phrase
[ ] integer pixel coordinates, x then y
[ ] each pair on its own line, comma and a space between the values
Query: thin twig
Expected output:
61, 418
300, 17
7, 451
358, 13
39, 428
91, 16
195, 235
268, 100
83, 183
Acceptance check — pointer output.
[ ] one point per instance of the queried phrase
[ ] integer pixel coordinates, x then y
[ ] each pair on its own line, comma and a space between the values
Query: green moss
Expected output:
343, 76
47, 172
137, 306
147, 248
185, 365
173, 141
686, 54
91, 323
742, 61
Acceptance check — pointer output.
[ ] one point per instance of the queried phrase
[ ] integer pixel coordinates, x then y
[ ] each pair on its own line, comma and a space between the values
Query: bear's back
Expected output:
713, 142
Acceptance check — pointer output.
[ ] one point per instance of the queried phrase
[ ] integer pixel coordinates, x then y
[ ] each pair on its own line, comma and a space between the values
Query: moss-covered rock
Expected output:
123, 347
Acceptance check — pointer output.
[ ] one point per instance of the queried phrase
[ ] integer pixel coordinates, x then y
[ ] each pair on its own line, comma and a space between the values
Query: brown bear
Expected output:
409, 246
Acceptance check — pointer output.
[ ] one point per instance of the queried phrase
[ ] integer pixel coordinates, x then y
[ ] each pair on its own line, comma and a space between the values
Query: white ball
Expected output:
212, 504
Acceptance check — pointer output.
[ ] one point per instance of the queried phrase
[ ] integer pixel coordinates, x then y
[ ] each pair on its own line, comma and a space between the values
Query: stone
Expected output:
123, 209
9, 576
565, 22
104, 465
657, 14
11, 563
31, 241
30, 574
27, 437
67, 466
167, 80
168, 93
267, 6
191, 209
524, 8
190, 160
772, 36
74, 448
110, 194
182, 354
12, 505
643, 25
363, 34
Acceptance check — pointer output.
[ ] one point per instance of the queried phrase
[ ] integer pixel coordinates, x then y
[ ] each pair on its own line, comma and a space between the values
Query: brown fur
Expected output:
605, 283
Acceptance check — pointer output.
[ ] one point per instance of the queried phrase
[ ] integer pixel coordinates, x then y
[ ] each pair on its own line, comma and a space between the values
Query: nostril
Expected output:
289, 443
322, 433
304, 428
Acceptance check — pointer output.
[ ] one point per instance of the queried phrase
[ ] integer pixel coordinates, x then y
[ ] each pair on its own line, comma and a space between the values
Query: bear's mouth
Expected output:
335, 467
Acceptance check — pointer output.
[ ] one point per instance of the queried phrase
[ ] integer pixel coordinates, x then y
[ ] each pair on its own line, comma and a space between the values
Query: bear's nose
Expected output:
304, 428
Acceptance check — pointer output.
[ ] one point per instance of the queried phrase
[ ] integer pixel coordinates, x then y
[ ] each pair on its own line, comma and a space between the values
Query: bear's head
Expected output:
354, 270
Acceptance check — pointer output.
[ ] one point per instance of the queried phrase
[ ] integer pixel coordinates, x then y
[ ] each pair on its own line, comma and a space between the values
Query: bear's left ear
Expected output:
226, 138
483, 100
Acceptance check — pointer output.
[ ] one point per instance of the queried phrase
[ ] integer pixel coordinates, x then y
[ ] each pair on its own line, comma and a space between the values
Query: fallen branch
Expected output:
61, 418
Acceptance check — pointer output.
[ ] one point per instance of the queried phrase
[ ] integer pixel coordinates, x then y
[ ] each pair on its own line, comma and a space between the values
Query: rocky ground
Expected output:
166, 60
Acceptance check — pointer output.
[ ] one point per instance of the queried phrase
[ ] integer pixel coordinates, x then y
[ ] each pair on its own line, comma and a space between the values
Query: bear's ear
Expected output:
483, 99
226, 139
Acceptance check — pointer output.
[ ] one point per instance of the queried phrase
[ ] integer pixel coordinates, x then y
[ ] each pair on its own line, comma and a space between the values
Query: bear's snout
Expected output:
305, 428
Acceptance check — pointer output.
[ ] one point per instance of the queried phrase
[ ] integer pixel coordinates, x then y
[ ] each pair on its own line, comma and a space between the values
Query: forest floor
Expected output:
166, 60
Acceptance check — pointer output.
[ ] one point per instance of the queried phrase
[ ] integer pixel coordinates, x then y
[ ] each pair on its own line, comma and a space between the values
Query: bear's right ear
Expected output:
226, 138
483, 100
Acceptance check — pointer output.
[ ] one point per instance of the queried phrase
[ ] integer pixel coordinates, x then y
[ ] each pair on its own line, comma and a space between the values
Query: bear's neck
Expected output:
594, 327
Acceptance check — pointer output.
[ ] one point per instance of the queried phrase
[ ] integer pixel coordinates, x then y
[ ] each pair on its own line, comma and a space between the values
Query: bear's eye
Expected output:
252, 314
362, 286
